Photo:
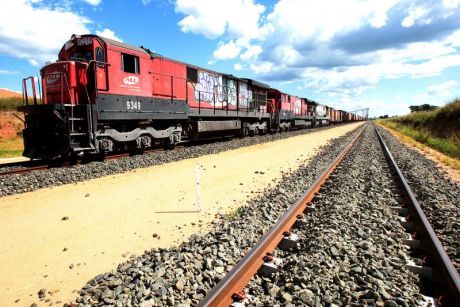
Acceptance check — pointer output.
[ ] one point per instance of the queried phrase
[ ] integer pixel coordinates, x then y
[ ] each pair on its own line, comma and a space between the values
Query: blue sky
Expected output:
381, 54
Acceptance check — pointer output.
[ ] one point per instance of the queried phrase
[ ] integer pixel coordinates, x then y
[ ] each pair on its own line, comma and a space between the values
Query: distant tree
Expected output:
422, 108
384, 116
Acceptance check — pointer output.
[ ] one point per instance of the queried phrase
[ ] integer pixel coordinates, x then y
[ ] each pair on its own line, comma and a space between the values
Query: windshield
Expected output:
84, 56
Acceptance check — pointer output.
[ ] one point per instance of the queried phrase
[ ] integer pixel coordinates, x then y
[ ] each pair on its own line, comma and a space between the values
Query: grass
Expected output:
10, 103
439, 156
446, 146
10, 148
438, 129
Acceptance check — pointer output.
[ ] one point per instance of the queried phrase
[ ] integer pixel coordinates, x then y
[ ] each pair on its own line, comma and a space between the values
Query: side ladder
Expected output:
79, 127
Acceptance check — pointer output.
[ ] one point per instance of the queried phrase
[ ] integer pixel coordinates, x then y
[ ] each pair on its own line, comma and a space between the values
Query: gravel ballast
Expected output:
350, 251
438, 195
20, 183
183, 275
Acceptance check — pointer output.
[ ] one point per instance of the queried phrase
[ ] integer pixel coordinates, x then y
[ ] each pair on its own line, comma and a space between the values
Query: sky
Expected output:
351, 54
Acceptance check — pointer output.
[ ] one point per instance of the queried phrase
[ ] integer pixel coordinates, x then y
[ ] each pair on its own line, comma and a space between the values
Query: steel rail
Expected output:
248, 266
443, 268
35, 165
29, 166
24, 170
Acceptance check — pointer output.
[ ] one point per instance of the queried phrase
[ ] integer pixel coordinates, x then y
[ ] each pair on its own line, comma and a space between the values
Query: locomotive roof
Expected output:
113, 42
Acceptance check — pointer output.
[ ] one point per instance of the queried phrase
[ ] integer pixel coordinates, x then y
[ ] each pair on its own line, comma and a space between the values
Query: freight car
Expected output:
103, 95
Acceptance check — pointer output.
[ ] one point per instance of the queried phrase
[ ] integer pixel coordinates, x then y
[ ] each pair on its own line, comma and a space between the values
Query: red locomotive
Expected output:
102, 95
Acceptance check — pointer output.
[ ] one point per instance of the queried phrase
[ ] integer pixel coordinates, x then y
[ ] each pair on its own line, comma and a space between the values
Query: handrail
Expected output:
25, 98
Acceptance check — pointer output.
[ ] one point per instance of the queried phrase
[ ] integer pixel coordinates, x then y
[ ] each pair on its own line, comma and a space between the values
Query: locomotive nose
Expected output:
59, 82
45, 135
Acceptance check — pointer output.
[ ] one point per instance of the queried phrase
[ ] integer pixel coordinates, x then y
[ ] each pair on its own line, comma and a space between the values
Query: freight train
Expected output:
103, 95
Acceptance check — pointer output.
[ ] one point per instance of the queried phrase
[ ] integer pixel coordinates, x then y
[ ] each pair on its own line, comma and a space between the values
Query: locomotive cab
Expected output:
63, 123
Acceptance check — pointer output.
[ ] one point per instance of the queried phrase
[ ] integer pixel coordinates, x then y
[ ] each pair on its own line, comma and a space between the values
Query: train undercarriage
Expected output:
58, 130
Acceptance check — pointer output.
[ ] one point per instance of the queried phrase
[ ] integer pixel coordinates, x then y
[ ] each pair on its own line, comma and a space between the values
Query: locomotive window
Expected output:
84, 56
192, 74
99, 55
130, 63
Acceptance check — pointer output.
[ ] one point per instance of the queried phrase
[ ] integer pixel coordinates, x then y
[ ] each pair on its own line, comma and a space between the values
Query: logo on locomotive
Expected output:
130, 80
84, 41
52, 77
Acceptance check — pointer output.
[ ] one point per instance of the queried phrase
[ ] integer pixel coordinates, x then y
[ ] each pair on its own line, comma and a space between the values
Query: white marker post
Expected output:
198, 198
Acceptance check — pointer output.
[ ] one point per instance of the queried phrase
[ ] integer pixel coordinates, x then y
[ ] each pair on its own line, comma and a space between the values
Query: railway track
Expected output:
439, 280
23, 167
38, 165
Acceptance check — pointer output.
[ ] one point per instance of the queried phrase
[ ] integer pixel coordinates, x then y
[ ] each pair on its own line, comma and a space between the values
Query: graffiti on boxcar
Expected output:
209, 87
231, 93
245, 95
321, 110
220, 91
298, 106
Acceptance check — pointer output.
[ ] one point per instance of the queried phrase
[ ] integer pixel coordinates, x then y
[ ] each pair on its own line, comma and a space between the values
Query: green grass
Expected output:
10, 153
10, 103
438, 129
10, 148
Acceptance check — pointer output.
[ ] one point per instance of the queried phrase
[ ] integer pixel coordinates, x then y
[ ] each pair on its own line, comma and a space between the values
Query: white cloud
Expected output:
238, 67
238, 18
93, 2
7, 72
451, 4
442, 89
227, 51
437, 94
239, 21
251, 52
302, 47
37, 42
145, 2
39, 33
322, 19
454, 39
355, 80
416, 14
262, 67
108, 34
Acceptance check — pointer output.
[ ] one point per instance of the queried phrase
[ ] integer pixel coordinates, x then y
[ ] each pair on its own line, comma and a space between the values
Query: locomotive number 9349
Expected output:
133, 105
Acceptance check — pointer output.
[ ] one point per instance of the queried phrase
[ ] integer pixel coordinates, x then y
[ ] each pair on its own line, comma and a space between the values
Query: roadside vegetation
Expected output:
11, 144
10, 103
438, 128
11, 147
